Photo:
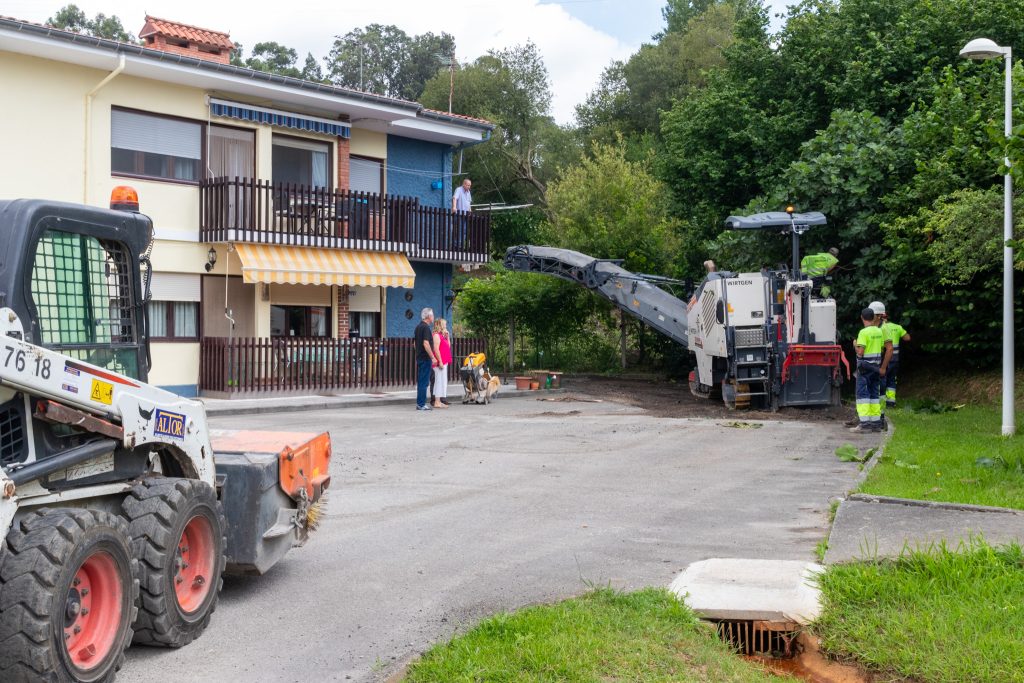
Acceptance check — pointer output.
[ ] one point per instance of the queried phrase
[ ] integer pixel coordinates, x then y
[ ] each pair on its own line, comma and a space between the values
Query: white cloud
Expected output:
574, 52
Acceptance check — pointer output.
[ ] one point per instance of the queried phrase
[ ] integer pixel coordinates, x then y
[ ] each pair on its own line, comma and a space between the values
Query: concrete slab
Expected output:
757, 590
875, 526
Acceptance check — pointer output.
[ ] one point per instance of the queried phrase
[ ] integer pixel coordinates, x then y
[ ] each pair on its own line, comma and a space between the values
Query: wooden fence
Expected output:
254, 366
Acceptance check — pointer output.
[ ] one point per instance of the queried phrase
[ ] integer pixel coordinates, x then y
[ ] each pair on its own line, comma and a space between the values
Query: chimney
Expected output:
183, 39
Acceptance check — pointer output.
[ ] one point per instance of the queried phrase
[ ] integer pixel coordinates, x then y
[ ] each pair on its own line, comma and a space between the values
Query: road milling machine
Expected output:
120, 509
765, 340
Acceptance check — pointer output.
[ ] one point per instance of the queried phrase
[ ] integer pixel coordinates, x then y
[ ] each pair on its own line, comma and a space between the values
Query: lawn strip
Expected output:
957, 456
938, 615
605, 635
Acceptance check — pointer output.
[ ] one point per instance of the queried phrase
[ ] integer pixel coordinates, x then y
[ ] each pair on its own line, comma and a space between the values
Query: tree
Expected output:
274, 58
311, 70
511, 88
72, 18
385, 60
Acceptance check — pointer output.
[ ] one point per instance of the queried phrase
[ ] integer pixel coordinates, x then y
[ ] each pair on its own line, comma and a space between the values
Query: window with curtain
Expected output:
174, 320
155, 146
303, 162
232, 152
364, 324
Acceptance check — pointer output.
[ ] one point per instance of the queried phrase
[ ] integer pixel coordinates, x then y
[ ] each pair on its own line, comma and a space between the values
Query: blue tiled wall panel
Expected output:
433, 281
413, 165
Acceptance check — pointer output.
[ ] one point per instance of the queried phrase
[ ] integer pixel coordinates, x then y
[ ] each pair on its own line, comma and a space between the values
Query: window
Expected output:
366, 175
364, 324
155, 146
82, 291
303, 162
300, 321
174, 320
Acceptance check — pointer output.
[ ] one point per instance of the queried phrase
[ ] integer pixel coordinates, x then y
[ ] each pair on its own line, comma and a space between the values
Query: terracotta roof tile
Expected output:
194, 34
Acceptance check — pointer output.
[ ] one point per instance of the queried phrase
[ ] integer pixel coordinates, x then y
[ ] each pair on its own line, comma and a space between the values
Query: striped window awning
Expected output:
275, 117
286, 265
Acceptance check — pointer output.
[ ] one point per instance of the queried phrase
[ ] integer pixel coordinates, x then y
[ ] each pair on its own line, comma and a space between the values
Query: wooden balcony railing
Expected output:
292, 365
258, 211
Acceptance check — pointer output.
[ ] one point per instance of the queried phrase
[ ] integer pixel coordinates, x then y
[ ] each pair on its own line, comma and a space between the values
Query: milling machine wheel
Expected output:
699, 390
69, 587
177, 530
730, 391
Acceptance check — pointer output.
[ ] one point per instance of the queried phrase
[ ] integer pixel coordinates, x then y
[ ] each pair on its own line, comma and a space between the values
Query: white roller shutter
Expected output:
155, 134
364, 175
176, 287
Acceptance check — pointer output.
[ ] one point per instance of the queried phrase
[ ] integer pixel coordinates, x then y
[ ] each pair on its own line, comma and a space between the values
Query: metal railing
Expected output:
254, 366
261, 212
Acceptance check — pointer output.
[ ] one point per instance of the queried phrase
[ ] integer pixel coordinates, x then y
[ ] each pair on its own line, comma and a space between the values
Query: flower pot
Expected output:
523, 383
534, 385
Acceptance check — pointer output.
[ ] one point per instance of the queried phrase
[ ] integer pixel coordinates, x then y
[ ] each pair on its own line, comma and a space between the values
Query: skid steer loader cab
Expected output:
71, 274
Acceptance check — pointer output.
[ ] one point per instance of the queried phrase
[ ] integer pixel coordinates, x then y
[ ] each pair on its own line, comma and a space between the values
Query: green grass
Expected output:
602, 636
934, 616
956, 456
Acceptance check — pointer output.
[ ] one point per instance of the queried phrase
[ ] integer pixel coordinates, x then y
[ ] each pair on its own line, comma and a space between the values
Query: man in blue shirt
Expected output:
462, 200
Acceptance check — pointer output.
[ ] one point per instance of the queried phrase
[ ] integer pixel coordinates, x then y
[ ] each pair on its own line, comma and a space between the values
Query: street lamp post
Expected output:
983, 48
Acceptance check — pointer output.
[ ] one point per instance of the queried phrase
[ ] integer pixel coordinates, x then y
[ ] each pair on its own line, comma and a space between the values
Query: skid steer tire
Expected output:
68, 590
177, 530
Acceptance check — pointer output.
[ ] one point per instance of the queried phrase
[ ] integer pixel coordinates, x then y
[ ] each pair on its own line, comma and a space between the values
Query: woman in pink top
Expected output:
442, 350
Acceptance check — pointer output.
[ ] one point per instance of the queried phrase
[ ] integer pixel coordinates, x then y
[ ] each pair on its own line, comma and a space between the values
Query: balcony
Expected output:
260, 212
280, 366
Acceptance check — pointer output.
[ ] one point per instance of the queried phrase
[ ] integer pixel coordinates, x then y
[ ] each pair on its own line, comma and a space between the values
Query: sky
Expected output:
577, 38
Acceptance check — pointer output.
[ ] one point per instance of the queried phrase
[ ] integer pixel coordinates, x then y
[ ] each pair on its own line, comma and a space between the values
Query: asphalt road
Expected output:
437, 519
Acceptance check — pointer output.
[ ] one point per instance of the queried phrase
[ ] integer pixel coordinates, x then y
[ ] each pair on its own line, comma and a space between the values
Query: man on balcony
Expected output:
462, 202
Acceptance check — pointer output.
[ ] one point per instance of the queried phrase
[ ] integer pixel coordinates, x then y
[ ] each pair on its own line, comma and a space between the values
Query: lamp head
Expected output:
982, 48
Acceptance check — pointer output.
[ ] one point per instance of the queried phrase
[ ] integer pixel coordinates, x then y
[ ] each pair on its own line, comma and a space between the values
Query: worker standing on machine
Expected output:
895, 333
874, 352
819, 266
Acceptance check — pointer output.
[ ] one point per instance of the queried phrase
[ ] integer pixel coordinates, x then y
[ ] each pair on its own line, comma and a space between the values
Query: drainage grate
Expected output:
12, 434
766, 638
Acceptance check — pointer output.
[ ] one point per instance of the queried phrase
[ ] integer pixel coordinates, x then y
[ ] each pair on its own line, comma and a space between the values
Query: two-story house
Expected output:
300, 227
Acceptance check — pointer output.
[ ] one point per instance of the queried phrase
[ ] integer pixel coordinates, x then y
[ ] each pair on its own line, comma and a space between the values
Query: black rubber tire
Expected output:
41, 556
157, 510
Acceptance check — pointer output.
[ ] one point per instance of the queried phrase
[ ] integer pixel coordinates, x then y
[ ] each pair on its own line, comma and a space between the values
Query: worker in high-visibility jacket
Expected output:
819, 265
895, 333
874, 352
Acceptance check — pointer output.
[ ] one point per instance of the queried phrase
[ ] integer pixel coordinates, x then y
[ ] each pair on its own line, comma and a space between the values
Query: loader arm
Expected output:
137, 413
630, 292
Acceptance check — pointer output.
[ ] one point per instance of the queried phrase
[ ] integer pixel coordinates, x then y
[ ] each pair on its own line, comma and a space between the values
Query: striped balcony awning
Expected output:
285, 265
275, 117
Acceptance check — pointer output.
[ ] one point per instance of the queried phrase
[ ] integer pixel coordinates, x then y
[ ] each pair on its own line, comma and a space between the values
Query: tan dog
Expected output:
493, 385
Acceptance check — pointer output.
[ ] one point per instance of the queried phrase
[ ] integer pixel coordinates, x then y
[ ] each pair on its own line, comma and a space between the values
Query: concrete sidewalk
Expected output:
289, 404
868, 526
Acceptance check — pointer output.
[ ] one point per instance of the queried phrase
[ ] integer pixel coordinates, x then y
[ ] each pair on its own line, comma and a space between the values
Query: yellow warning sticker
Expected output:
102, 392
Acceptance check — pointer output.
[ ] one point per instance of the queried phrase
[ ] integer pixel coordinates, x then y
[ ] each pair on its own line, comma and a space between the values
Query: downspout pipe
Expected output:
87, 137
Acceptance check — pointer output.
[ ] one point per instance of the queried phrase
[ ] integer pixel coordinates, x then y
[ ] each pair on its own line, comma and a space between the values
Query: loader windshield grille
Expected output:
81, 287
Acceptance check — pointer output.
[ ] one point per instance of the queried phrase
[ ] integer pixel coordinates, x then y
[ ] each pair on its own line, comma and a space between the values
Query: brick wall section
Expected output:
342, 308
343, 163
159, 42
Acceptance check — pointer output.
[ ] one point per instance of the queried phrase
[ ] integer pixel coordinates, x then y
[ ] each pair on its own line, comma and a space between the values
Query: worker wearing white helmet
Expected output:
895, 333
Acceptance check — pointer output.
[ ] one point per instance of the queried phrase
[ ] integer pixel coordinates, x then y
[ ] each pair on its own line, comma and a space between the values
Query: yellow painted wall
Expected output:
174, 364
48, 126
368, 143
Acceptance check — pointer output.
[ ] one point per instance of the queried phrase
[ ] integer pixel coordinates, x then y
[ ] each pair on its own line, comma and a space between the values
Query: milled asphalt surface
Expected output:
438, 519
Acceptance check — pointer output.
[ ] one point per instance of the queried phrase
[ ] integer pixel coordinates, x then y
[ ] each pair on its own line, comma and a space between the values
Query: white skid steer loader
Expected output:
118, 515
